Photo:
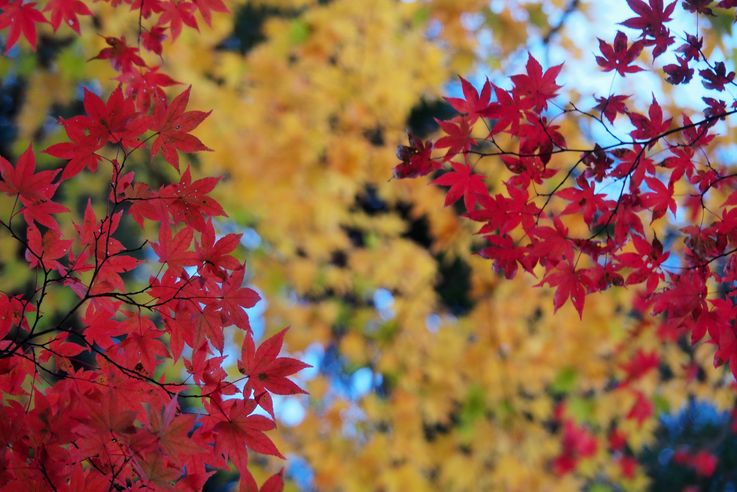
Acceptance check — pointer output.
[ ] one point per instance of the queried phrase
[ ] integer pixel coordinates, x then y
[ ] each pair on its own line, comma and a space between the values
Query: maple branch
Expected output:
707, 262
47, 477
140, 23
599, 119
116, 473
570, 9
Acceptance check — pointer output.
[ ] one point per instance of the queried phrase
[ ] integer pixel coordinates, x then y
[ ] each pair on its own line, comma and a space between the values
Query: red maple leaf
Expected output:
177, 13
173, 124
645, 261
568, 283
106, 414
536, 88
651, 19
188, 202
650, 126
618, 56
457, 136
145, 86
174, 251
267, 373
695, 136
274, 483
146, 8
539, 137
206, 7
115, 121
66, 11
505, 113
24, 181
681, 162
640, 364
33, 189
47, 251
80, 152
215, 256
416, 159
678, 73
152, 39
552, 244
22, 19
122, 56
698, 6
142, 345
691, 49
584, 199
240, 429
171, 430
642, 409
472, 104
235, 297
684, 298
611, 106
716, 78
463, 183
659, 199
11, 310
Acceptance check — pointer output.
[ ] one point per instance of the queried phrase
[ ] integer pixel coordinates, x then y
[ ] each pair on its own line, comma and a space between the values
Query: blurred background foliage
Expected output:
431, 371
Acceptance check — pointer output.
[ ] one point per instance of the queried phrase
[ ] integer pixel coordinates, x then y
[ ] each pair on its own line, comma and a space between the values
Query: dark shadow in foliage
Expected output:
249, 26
375, 136
697, 427
418, 229
369, 201
48, 49
421, 120
11, 95
454, 284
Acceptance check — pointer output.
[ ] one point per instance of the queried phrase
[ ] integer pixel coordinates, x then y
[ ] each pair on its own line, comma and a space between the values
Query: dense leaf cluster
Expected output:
646, 206
90, 397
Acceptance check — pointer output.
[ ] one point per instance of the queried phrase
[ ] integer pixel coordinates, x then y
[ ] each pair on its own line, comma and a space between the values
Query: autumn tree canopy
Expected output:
607, 213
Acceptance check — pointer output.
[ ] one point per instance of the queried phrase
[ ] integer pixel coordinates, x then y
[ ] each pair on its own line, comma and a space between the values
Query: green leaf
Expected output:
299, 31
565, 381
72, 63
537, 16
26, 65
722, 23
421, 16
580, 409
600, 487
474, 406
661, 404
387, 331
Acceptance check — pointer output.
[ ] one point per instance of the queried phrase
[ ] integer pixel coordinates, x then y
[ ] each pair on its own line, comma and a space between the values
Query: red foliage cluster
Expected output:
702, 462
88, 402
644, 165
578, 443
688, 275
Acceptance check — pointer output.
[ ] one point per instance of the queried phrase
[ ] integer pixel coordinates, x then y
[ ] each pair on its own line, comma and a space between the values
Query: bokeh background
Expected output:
430, 371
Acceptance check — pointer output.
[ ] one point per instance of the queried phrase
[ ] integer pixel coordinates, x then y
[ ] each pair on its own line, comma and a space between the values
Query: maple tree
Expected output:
118, 387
